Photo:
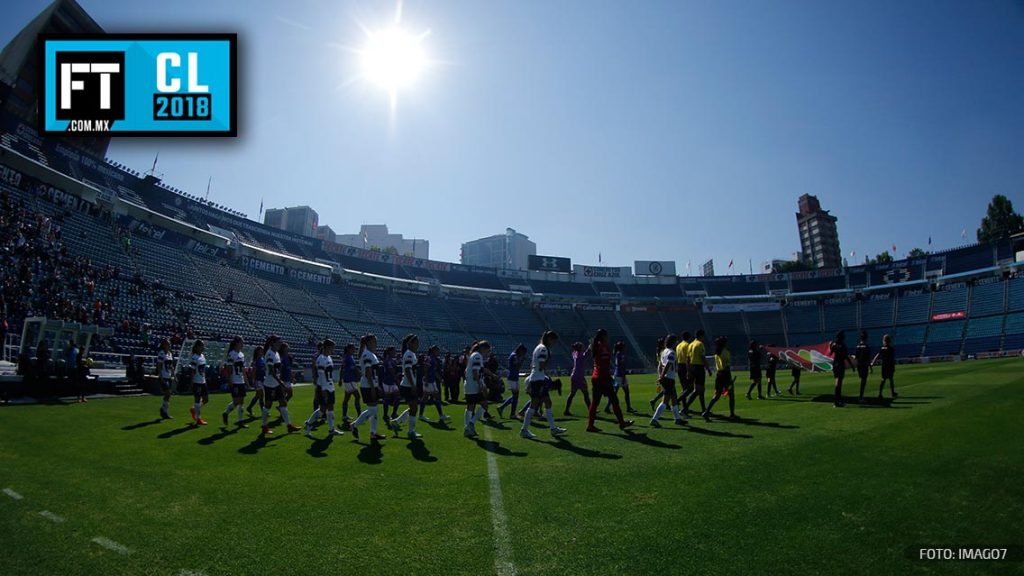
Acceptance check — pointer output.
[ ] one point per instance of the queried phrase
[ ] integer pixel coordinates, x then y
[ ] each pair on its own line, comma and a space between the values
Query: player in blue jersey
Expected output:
515, 362
259, 374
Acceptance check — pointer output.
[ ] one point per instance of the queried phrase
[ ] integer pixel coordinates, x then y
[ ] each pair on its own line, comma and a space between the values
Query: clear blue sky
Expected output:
588, 125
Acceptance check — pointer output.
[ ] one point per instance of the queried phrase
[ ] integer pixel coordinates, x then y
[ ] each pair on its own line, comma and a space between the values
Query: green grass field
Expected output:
797, 487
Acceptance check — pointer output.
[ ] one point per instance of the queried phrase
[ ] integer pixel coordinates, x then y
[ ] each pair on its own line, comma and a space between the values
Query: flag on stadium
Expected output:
261, 208
894, 249
929, 240
730, 263
598, 257
963, 233
155, 158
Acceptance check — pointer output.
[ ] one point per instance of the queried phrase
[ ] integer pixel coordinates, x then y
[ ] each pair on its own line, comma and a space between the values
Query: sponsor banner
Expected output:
367, 286
58, 196
549, 264
308, 276
949, 316
262, 266
600, 272
512, 274
202, 248
710, 308
520, 287
554, 306
596, 307
10, 176
811, 274
654, 267
637, 308
145, 229
811, 357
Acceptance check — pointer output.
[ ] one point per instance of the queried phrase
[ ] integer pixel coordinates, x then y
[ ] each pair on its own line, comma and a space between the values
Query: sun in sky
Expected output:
393, 58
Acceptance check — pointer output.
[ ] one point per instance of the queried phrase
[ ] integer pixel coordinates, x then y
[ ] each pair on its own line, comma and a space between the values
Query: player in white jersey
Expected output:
236, 383
475, 390
165, 371
407, 387
197, 369
368, 362
539, 386
259, 374
274, 386
667, 379
324, 389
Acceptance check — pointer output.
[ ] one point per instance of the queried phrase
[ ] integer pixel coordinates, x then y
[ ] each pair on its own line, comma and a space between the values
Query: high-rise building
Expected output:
510, 250
819, 240
297, 219
326, 233
377, 237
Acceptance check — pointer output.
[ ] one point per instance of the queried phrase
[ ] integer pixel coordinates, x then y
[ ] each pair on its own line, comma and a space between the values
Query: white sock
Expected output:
675, 411
402, 417
657, 412
198, 406
412, 424
373, 419
284, 414
313, 417
467, 419
363, 417
529, 416
241, 412
266, 415
551, 418
231, 406
476, 415
330, 420
165, 406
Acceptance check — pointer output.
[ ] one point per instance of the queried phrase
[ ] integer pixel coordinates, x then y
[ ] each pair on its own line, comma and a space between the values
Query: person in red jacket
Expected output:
601, 381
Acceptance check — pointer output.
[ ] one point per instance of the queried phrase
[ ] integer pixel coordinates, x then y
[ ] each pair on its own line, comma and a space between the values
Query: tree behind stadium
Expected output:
1000, 220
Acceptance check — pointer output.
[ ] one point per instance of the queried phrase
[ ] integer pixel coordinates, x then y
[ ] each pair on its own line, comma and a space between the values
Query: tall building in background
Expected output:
297, 219
819, 240
377, 237
510, 250
326, 233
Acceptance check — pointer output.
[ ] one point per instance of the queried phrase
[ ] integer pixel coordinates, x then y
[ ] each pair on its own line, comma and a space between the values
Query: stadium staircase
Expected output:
632, 339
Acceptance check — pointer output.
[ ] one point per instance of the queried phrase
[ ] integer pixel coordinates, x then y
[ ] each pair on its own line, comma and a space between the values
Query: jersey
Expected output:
165, 364
325, 372
540, 358
474, 364
270, 360
754, 359
668, 363
198, 365
349, 372
513, 367
697, 354
286, 369
773, 364
863, 355
888, 358
577, 365
409, 362
682, 352
602, 362
259, 368
236, 358
433, 370
620, 364
388, 377
368, 361
723, 361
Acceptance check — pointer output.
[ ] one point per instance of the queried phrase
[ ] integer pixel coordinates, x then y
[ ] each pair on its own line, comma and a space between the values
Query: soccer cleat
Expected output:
424, 419
556, 431
706, 415
355, 431
267, 430
631, 411
415, 435
527, 434
626, 424
243, 425
166, 416
655, 424
501, 412
594, 429
378, 437
680, 422
336, 432
468, 432
224, 417
346, 419
251, 415
734, 417
293, 428
306, 430
192, 411
201, 422
748, 396
445, 418
567, 414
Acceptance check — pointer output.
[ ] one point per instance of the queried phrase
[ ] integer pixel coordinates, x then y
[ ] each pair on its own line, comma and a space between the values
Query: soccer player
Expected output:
432, 381
723, 378
770, 371
236, 364
795, 370
316, 388
862, 353
274, 387
350, 376
200, 394
407, 387
601, 380
888, 356
667, 379
620, 382
840, 358
259, 374
389, 385
540, 387
659, 346
324, 389
165, 370
683, 371
287, 374
577, 379
515, 360
475, 390
695, 380
754, 362
368, 362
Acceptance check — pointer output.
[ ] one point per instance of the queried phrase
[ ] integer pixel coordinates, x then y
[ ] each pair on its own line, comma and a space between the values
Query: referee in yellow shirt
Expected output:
723, 378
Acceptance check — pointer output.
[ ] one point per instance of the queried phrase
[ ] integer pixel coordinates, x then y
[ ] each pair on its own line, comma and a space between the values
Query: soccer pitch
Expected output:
796, 487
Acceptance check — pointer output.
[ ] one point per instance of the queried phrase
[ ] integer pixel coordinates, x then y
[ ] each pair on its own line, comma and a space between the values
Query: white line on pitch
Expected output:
111, 545
13, 494
503, 565
184, 572
51, 517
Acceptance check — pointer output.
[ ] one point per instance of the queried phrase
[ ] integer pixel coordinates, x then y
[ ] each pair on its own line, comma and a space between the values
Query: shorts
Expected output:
259, 385
326, 397
237, 390
579, 384
888, 372
408, 394
275, 394
697, 376
540, 387
723, 380
351, 387
200, 391
369, 395
862, 371
668, 385
430, 388
474, 398
602, 386
390, 389
755, 373
839, 371
513, 385
619, 382
684, 378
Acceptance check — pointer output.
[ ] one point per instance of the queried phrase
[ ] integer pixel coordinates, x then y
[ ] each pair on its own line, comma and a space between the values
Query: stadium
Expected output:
111, 262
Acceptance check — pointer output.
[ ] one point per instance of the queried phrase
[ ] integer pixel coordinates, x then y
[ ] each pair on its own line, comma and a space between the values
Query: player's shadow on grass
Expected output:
371, 453
643, 438
224, 433
869, 402
562, 443
318, 447
259, 443
495, 447
495, 424
757, 422
142, 424
172, 433
420, 451
715, 433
